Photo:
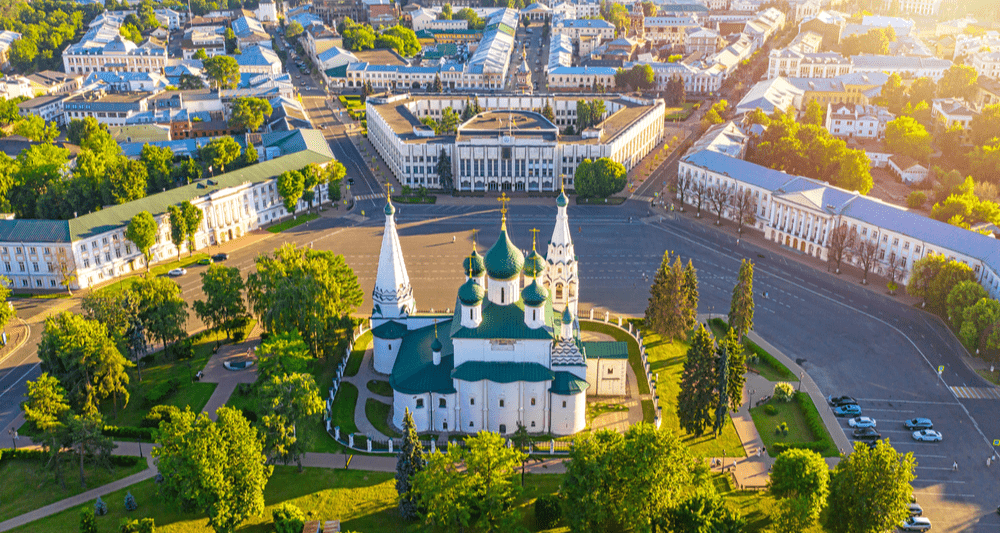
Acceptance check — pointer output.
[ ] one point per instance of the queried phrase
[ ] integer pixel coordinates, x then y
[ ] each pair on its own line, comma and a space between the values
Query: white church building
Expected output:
511, 352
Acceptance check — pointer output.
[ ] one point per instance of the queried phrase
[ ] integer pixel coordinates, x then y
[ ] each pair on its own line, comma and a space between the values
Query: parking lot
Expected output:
537, 50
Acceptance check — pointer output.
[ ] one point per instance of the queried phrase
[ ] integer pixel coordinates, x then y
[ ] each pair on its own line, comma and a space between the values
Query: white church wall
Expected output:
471, 398
569, 413
606, 377
443, 412
504, 292
416, 403
502, 411
502, 350
384, 355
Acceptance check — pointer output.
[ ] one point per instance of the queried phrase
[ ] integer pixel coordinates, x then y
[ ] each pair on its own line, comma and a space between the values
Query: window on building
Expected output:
532, 423
611, 371
472, 424
420, 403
442, 402
564, 404
472, 401
501, 402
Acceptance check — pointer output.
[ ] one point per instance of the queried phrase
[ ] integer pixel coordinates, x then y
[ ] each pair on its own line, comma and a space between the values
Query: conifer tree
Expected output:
690, 289
736, 362
666, 313
722, 386
697, 397
409, 462
741, 306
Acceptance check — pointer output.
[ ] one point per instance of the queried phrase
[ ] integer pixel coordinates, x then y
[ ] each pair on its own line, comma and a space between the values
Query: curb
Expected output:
22, 343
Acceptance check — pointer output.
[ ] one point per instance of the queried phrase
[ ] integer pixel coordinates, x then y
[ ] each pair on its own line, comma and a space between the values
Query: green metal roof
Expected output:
390, 330
302, 146
504, 261
534, 294
566, 383
415, 372
606, 350
29, 230
503, 322
561, 200
337, 72
498, 372
471, 293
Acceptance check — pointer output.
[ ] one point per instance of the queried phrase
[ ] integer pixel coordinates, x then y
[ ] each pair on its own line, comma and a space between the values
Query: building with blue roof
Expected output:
804, 214
257, 59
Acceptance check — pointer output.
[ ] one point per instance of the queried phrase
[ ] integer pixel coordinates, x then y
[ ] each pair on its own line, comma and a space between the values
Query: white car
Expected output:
915, 523
927, 435
177, 272
862, 422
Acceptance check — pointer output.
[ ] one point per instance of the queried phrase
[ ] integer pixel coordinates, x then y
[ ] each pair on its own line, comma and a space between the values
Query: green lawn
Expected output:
343, 410
292, 222
992, 377
378, 415
667, 361
363, 501
382, 388
766, 364
358, 354
159, 270
30, 485
596, 409
187, 393
794, 413
680, 113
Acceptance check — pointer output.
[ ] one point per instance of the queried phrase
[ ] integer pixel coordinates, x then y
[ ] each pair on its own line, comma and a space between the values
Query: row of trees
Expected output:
295, 185
360, 37
874, 42
639, 77
808, 150
475, 21
741, 204
47, 28
949, 289
589, 113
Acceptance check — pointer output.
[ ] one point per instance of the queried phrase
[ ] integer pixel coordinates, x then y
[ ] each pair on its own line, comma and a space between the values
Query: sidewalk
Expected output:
365, 374
228, 380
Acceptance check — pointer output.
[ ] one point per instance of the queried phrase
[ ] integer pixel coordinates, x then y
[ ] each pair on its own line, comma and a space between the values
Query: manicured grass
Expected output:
796, 414
666, 360
634, 359
31, 485
292, 222
382, 388
49, 296
680, 113
159, 270
362, 501
756, 507
992, 377
187, 393
596, 409
378, 415
358, 354
343, 409
648, 411
766, 364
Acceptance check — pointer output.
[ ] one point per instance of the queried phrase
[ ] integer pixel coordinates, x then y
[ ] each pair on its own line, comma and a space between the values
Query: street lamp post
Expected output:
13, 436
801, 375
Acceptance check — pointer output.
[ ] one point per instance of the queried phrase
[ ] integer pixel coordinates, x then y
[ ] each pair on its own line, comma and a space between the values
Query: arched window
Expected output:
559, 291
472, 314
501, 294
442, 402
534, 314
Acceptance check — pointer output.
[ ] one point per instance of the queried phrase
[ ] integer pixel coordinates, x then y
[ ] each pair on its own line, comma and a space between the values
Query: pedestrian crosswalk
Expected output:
374, 196
977, 393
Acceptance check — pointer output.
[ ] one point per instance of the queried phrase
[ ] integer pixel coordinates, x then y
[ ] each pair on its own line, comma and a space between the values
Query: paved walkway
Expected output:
365, 374
216, 372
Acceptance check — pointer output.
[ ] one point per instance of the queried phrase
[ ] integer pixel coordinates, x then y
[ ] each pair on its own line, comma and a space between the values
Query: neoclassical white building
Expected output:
508, 145
510, 353
802, 213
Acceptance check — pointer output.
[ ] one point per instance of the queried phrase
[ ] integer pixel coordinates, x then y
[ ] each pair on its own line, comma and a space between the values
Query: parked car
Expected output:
927, 435
837, 401
867, 434
177, 272
915, 523
220, 257
862, 422
915, 509
850, 409
205, 261
918, 423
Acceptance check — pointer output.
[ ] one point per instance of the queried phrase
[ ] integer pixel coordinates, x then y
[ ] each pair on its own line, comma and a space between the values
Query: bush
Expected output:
130, 504
184, 348
129, 432
770, 410
288, 518
157, 393
783, 391
781, 429
100, 508
548, 511
144, 525
916, 199
87, 522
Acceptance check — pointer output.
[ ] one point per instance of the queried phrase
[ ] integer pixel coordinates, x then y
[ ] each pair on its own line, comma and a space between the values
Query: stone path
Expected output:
227, 380
365, 374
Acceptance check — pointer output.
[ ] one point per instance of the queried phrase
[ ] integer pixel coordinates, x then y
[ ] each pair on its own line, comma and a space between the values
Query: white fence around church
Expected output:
376, 445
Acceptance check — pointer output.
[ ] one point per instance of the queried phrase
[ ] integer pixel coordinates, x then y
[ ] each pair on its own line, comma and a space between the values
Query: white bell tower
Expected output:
561, 277
393, 295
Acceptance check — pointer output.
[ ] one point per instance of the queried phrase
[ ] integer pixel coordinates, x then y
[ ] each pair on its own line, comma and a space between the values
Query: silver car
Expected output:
915, 523
862, 422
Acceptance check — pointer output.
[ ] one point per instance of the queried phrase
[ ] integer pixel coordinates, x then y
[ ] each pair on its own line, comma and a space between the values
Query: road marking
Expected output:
977, 393
906, 401
929, 455
942, 493
933, 468
890, 410
364, 197
955, 482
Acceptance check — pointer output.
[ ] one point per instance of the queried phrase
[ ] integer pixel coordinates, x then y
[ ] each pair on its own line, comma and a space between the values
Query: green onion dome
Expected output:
471, 293
436, 345
534, 294
473, 265
504, 261
561, 200
389, 209
567, 317
534, 265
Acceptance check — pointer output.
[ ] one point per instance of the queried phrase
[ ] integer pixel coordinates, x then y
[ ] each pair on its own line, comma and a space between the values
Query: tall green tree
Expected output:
443, 168
870, 489
214, 467
958, 81
142, 230
689, 288
290, 400
282, 353
248, 113
82, 356
906, 136
802, 475
291, 185
737, 367
977, 320
223, 70
223, 307
814, 113
125, 180
160, 308
46, 409
722, 389
409, 462
741, 306
192, 221
965, 294
933, 277
702, 512
178, 227
480, 497
7, 309
86, 434
36, 129
668, 311
311, 291
624, 482
697, 398
219, 152
159, 167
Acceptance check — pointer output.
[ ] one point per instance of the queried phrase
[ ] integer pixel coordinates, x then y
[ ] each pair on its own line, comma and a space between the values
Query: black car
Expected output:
866, 434
837, 401
220, 257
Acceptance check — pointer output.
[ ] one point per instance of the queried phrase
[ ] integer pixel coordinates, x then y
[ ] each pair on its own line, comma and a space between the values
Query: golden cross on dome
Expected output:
503, 206
534, 234
388, 190
474, 232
